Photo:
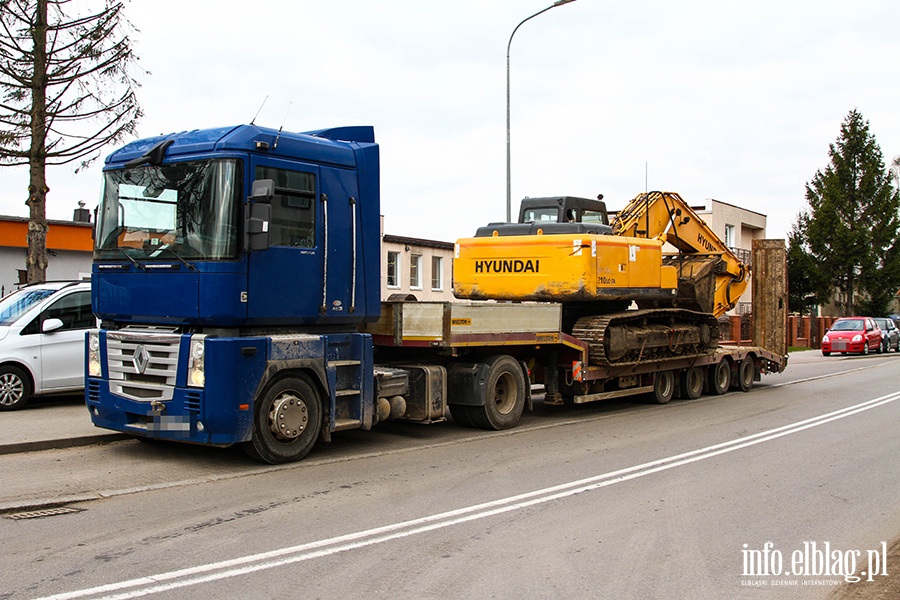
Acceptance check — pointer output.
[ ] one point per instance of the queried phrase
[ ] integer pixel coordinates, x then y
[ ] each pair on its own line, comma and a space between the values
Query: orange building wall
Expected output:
60, 236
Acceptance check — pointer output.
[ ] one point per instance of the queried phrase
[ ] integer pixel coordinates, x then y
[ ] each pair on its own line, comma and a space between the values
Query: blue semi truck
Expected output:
208, 245
237, 278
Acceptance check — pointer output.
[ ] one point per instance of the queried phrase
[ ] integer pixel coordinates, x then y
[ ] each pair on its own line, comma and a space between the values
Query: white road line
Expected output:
171, 580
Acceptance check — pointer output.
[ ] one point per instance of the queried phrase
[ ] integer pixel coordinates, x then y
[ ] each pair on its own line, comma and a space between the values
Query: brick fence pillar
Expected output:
735, 328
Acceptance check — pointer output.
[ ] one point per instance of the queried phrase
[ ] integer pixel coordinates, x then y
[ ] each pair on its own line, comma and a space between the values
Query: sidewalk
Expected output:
46, 423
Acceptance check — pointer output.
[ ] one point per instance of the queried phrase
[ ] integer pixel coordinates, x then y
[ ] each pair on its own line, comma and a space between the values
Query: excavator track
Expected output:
636, 336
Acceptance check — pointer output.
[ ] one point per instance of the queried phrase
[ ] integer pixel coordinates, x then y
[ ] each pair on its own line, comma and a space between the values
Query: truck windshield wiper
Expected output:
156, 252
124, 251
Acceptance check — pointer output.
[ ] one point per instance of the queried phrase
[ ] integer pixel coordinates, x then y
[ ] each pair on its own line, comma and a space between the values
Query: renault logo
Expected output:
141, 359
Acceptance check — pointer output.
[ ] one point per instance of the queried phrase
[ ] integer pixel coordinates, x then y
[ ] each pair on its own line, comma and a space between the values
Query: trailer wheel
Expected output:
663, 387
287, 421
692, 383
746, 371
720, 377
504, 395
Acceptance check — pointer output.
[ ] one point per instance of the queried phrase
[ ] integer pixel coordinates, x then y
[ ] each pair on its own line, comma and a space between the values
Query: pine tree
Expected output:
66, 92
852, 230
808, 285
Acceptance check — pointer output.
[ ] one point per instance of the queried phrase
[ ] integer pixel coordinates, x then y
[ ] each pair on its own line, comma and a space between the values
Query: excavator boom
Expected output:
711, 277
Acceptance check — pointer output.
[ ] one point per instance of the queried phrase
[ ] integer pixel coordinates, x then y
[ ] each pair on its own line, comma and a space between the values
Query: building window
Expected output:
393, 269
415, 272
729, 236
437, 273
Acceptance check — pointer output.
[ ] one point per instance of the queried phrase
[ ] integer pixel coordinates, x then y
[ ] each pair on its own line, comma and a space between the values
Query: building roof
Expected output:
733, 206
397, 239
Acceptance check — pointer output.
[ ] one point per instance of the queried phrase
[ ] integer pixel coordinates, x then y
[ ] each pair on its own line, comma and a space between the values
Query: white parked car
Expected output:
42, 330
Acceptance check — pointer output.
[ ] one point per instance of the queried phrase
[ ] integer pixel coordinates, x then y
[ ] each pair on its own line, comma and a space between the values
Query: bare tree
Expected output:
67, 90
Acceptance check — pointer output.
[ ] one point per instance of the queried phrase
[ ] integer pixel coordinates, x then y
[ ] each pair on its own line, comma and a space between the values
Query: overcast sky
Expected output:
736, 101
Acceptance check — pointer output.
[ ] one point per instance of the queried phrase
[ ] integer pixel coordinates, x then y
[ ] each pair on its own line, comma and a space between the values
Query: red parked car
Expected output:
852, 334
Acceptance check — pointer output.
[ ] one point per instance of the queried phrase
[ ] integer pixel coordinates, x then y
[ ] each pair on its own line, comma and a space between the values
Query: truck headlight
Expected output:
93, 342
196, 376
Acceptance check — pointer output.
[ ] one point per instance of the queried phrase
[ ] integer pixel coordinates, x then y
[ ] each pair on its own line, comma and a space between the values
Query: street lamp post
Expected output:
508, 45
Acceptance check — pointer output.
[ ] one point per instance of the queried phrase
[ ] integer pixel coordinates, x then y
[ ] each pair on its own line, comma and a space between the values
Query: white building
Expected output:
415, 266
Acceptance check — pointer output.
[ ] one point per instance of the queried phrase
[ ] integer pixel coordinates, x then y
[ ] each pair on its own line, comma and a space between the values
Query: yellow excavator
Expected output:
649, 285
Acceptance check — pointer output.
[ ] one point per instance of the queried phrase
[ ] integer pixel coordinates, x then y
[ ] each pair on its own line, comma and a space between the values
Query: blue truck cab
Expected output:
233, 268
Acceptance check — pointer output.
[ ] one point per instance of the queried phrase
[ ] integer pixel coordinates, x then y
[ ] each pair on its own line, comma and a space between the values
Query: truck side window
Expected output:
293, 207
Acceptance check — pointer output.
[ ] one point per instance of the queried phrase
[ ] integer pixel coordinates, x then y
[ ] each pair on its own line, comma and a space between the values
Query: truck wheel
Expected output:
692, 383
719, 377
504, 395
663, 387
746, 371
15, 388
461, 415
287, 421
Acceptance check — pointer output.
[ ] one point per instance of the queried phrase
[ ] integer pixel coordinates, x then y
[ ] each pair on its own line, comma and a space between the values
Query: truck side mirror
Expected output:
258, 214
262, 190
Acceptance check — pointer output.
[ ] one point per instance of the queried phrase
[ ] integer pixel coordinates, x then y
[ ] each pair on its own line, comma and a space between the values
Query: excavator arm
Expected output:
710, 277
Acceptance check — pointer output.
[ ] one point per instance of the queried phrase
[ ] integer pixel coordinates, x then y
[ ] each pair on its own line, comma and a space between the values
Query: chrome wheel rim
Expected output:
12, 389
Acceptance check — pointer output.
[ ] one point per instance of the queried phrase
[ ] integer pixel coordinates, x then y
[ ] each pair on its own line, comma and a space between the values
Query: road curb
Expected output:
87, 440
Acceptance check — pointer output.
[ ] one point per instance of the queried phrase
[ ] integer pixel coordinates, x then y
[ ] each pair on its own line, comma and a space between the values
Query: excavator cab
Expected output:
563, 209
554, 215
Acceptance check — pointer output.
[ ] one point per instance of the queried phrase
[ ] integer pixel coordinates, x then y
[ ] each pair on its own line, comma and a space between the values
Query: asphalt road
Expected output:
779, 493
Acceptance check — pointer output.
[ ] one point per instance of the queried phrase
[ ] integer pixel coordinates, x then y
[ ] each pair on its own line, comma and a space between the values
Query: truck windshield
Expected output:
187, 209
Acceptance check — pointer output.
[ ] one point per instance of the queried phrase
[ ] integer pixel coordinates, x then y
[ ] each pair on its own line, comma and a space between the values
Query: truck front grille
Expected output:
142, 364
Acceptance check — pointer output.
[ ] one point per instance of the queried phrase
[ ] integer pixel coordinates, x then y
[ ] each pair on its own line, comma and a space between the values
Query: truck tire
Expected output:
692, 383
663, 387
746, 371
15, 388
287, 421
719, 377
504, 395
461, 415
